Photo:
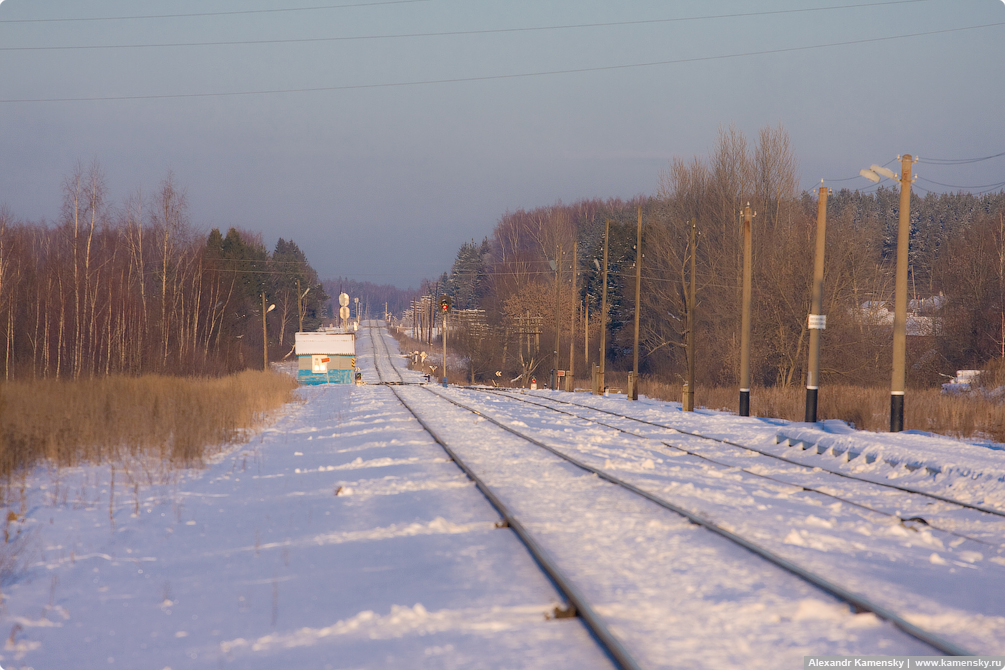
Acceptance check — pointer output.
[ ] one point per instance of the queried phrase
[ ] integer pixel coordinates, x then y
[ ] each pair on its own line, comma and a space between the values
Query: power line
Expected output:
199, 14
939, 183
523, 75
959, 161
452, 33
858, 176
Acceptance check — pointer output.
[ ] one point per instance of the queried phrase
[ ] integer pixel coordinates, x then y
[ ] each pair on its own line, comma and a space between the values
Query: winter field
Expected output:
343, 536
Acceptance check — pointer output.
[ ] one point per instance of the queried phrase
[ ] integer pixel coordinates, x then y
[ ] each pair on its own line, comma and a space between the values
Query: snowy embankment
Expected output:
971, 471
967, 472
342, 537
933, 565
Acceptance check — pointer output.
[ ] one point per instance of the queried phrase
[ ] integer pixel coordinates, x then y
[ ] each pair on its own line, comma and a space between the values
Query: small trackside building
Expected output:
326, 357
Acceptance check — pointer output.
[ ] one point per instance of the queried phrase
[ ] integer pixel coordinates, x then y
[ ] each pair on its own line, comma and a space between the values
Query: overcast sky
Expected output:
381, 135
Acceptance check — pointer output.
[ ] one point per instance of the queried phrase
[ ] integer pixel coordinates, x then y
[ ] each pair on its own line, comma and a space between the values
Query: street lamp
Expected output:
897, 382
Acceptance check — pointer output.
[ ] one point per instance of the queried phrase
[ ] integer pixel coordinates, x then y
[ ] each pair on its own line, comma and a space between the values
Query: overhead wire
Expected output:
959, 161
522, 75
944, 162
451, 33
200, 14
859, 176
939, 183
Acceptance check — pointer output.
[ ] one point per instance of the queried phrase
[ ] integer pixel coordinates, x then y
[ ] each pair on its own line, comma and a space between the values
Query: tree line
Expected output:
133, 287
373, 298
957, 277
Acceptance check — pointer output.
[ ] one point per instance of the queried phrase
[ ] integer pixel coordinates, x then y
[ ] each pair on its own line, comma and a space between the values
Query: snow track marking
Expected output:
400, 621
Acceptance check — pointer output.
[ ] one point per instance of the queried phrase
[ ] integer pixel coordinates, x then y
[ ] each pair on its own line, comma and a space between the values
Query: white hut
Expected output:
326, 357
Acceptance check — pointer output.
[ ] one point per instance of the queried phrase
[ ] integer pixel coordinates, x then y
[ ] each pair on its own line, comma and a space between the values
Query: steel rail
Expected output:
905, 489
373, 346
803, 487
858, 601
575, 599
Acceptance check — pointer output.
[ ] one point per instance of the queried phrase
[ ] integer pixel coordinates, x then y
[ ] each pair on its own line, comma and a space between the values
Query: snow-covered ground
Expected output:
343, 537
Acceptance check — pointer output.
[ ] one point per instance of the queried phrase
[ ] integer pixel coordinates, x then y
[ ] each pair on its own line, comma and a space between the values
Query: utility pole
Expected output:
633, 383
570, 383
558, 323
745, 316
817, 321
598, 383
445, 309
1001, 274
900, 301
688, 399
265, 340
301, 305
432, 312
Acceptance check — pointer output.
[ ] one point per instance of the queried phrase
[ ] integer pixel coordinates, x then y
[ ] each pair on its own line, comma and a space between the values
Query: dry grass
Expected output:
864, 408
175, 419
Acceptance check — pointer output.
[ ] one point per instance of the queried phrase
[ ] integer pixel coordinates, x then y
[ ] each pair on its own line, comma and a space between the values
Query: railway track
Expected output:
577, 602
827, 479
904, 489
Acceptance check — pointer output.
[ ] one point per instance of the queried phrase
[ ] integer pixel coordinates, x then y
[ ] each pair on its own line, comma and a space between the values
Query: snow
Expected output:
343, 537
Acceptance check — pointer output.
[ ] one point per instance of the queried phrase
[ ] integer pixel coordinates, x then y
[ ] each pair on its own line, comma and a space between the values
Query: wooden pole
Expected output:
817, 321
570, 383
688, 399
444, 335
558, 322
633, 386
745, 316
599, 386
900, 300
265, 341
300, 308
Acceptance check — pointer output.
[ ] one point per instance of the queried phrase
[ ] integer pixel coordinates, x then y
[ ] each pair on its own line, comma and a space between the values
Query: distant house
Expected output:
326, 357
921, 318
964, 381
926, 306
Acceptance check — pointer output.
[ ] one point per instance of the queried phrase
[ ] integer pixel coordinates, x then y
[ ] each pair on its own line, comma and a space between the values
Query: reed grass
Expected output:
179, 420
866, 408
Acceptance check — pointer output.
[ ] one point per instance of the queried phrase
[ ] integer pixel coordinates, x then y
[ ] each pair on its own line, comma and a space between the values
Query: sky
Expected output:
381, 135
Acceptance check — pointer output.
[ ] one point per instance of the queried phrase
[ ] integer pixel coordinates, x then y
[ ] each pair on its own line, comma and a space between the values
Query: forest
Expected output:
540, 273
373, 298
133, 288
